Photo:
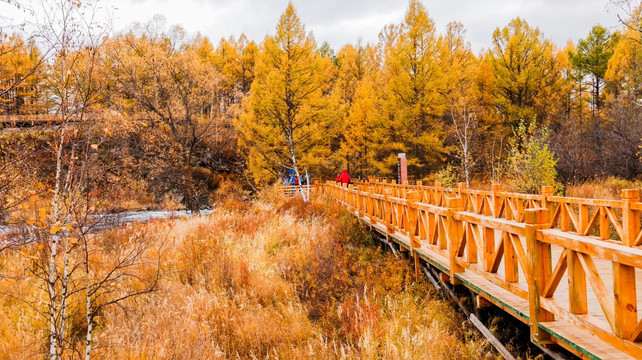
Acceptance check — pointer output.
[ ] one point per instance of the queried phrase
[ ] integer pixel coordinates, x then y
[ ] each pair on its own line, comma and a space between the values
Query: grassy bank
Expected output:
273, 278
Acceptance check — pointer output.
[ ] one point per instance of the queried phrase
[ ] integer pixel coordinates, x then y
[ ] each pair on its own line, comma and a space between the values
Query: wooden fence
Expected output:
529, 254
293, 190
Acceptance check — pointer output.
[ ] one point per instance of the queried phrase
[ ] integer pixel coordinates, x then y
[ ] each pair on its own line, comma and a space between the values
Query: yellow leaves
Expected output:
301, 122
107, 131
57, 228
43, 214
523, 62
94, 146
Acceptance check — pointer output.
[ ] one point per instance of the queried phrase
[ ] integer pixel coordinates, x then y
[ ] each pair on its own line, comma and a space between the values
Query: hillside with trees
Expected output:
185, 113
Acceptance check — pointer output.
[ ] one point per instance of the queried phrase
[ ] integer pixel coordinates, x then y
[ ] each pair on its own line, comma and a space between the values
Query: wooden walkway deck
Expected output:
530, 255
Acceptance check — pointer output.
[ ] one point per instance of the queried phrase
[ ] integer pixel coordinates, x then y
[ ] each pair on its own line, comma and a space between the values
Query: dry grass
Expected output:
270, 279
609, 188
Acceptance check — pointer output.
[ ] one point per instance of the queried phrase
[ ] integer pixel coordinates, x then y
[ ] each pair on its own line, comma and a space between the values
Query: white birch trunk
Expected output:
63, 296
51, 282
88, 339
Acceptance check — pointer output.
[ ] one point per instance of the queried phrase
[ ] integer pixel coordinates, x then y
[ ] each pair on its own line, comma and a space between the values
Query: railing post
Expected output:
496, 200
576, 284
630, 218
460, 187
545, 192
387, 211
455, 231
373, 200
583, 218
540, 267
412, 198
624, 284
437, 195
605, 232
488, 237
359, 202
565, 221
367, 208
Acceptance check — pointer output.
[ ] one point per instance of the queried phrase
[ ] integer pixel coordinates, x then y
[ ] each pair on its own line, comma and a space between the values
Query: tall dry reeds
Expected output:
609, 188
269, 279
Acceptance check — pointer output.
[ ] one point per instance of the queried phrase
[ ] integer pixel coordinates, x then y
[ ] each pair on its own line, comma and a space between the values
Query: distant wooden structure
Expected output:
293, 190
567, 267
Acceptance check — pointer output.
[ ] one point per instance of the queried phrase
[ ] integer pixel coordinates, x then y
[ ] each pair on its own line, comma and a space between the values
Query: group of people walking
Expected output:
343, 178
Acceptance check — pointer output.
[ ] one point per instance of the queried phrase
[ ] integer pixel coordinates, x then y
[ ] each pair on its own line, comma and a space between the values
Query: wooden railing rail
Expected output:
292, 190
526, 244
604, 219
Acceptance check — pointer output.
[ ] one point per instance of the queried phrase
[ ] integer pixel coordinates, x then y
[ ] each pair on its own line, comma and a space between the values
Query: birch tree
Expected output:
459, 65
77, 31
68, 27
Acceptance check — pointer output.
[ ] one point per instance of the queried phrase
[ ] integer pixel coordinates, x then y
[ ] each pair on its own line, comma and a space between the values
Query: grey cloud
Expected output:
344, 21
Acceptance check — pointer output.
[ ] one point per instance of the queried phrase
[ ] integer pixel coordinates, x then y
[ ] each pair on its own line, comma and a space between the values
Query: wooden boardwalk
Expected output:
567, 267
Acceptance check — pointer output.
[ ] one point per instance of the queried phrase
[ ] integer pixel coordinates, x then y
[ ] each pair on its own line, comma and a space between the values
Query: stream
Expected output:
105, 221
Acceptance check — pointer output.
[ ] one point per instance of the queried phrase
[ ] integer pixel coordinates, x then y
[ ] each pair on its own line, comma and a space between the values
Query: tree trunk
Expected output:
192, 203
51, 282
90, 326
64, 294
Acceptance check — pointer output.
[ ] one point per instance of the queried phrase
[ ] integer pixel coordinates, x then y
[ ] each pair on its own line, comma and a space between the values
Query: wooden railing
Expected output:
292, 190
526, 244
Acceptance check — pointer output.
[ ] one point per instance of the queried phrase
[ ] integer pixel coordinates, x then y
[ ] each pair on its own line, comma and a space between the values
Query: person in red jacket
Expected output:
344, 177
339, 177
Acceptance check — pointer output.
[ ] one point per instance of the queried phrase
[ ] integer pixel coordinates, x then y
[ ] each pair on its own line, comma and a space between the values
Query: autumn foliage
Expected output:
94, 123
188, 113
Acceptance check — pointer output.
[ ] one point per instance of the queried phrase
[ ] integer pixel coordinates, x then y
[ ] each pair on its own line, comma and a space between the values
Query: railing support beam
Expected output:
540, 268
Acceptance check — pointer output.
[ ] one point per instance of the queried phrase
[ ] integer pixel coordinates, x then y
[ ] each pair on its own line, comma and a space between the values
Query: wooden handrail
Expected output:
599, 217
509, 240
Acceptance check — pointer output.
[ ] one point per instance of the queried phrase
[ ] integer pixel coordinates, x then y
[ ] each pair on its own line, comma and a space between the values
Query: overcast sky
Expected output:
345, 21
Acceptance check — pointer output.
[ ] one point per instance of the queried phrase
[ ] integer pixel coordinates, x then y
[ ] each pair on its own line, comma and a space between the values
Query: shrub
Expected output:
447, 177
530, 163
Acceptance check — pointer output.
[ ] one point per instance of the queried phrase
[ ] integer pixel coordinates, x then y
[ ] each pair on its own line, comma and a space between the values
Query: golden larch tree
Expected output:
356, 68
413, 103
526, 73
286, 122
